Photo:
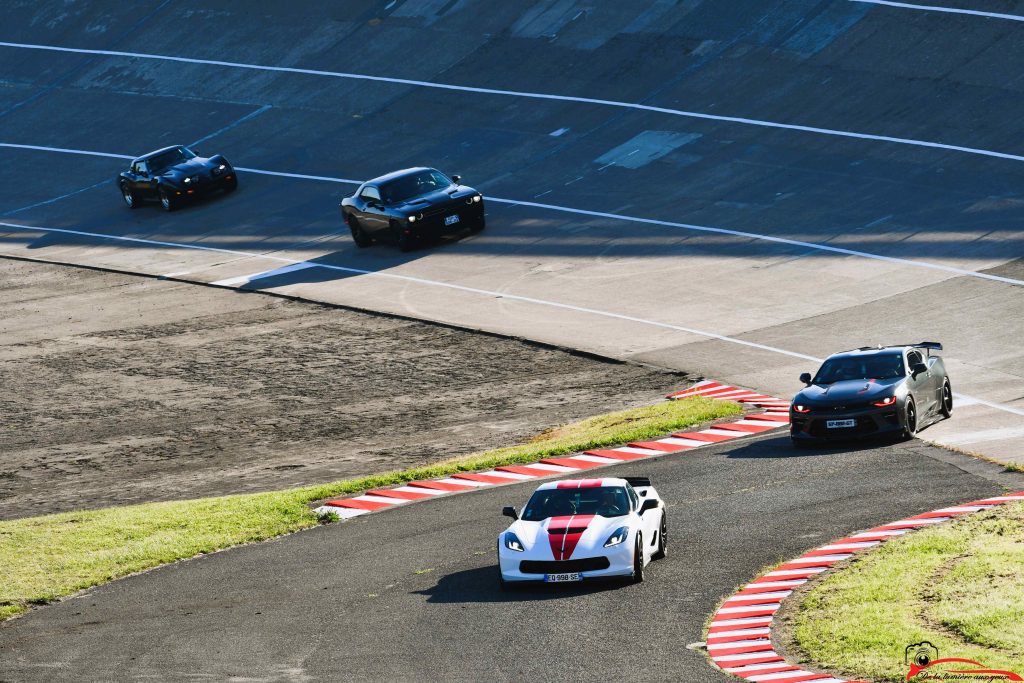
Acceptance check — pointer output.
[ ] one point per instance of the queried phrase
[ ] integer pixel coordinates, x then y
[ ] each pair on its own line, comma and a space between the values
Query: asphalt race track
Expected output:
412, 594
732, 189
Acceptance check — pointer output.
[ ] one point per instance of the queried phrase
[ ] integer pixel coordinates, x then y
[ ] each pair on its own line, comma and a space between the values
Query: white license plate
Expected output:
561, 578
451, 220
838, 424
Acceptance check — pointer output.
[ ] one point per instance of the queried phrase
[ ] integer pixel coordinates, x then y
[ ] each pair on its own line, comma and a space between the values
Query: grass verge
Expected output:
956, 585
45, 558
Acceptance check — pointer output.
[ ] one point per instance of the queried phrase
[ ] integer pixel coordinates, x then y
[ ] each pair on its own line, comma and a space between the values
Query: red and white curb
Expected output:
776, 415
739, 638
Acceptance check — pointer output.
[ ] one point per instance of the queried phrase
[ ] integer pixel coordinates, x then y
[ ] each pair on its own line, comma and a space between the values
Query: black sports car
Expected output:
895, 390
408, 206
174, 174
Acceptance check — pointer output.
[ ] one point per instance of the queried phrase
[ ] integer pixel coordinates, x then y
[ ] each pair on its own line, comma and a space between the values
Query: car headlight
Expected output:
188, 180
618, 536
222, 167
888, 401
800, 408
477, 198
512, 542
417, 217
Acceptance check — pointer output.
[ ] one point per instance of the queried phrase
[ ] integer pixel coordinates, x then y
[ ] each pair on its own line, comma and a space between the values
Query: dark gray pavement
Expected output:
411, 593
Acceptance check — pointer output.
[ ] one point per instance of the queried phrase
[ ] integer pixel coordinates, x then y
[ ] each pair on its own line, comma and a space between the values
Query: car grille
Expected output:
588, 564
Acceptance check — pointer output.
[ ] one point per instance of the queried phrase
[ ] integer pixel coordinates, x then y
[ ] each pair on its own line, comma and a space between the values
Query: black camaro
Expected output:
895, 390
408, 206
174, 174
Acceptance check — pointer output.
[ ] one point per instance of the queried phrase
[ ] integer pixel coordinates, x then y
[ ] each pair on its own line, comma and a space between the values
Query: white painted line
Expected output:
676, 441
721, 432
859, 545
639, 451
245, 279
762, 631
962, 508
776, 584
742, 622
760, 423
1001, 499
745, 656
884, 532
754, 668
620, 217
791, 572
380, 499
507, 475
343, 513
915, 522
946, 10
558, 133
596, 458
748, 608
767, 597
738, 643
420, 489
558, 469
527, 95
462, 288
820, 558
462, 482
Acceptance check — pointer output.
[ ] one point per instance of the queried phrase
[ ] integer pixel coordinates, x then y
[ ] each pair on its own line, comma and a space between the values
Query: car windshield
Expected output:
606, 501
165, 160
879, 366
405, 188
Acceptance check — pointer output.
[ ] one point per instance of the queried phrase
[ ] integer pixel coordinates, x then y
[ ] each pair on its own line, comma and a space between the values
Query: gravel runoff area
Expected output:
121, 389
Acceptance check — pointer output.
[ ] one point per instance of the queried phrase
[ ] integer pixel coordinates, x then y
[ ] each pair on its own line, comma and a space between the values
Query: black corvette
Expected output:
174, 174
406, 207
894, 390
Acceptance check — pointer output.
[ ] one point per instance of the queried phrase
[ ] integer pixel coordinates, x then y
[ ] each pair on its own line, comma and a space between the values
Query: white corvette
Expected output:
584, 529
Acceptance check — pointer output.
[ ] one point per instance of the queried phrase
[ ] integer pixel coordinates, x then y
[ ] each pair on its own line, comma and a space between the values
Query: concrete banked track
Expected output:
761, 118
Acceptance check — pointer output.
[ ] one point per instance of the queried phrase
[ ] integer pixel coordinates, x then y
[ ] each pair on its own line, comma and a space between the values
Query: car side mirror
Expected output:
918, 368
510, 511
648, 505
806, 378
456, 179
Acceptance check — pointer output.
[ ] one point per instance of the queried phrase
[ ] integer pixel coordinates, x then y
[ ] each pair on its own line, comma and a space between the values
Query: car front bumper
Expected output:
471, 217
869, 421
619, 563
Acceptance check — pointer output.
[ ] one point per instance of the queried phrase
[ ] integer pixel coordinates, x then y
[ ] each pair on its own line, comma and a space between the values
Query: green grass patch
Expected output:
48, 557
959, 585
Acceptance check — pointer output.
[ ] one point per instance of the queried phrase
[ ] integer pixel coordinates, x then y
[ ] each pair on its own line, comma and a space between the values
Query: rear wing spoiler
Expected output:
637, 482
929, 346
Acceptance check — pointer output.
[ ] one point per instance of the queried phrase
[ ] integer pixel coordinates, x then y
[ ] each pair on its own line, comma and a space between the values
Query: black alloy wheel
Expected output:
128, 196
947, 398
359, 235
662, 538
638, 559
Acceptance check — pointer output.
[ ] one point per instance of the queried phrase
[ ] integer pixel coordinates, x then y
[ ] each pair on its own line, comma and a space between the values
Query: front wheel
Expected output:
638, 559
402, 238
167, 201
231, 186
946, 398
910, 419
128, 196
662, 538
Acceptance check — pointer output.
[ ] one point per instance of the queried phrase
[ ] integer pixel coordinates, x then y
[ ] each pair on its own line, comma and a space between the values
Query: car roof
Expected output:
581, 483
869, 351
152, 154
397, 174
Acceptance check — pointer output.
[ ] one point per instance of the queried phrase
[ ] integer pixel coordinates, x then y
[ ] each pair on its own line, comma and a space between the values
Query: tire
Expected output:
662, 551
910, 419
167, 201
129, 196
638, 559
231, 187
359, 236
403, 241
947, 399
479, 227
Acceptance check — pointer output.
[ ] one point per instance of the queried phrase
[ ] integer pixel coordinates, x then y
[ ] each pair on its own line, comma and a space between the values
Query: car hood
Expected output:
563, 538
186, 168
848, 391
433, 199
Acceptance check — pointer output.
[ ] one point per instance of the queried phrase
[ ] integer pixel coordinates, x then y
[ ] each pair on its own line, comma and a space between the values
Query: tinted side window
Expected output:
914, 357
370, 193
634, 499
140, 167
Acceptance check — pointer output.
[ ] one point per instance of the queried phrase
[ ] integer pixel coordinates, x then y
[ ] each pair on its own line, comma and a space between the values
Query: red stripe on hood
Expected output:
563, 544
